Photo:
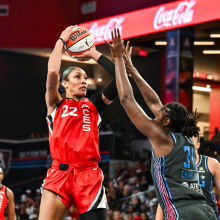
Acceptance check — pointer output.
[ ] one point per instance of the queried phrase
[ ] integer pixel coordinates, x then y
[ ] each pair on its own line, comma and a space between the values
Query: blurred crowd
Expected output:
28, 206
130, 193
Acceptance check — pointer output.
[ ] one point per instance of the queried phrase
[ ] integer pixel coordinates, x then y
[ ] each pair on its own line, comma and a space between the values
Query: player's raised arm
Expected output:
110, 91
150, 97
52, 95
146, 125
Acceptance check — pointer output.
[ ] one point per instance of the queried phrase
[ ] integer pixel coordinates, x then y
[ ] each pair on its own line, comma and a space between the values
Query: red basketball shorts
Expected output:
81, 185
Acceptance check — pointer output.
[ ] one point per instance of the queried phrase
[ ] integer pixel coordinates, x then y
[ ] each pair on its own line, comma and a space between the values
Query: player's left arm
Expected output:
110, 91
11, 205
214, 168
149, 95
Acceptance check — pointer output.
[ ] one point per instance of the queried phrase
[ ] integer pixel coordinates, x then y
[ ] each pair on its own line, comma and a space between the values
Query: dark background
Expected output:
23, 86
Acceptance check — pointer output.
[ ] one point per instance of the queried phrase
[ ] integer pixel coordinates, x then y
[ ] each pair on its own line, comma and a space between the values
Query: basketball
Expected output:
80, 41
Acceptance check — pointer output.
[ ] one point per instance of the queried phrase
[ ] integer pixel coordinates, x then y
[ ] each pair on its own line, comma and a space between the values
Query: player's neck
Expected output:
73, 96
197, 157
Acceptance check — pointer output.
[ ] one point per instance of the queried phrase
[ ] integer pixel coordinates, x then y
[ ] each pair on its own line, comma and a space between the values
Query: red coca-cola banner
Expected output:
155, 19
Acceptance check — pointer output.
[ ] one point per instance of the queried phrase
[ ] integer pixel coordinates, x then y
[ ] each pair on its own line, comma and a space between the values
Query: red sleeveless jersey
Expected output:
3, 202
73, 132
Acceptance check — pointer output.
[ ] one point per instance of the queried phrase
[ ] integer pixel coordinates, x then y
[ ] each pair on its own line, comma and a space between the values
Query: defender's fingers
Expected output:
114, 32
113, 38
108, 43
130, 52
123, 44
118, 32
127, 47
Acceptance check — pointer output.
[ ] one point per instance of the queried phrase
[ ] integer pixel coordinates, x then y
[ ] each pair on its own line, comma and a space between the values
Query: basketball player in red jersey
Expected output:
6, 200
73, 122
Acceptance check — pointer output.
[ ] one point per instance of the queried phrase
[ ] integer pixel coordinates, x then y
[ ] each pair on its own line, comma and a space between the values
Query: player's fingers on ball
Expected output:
70, 27
78, 56
74, 28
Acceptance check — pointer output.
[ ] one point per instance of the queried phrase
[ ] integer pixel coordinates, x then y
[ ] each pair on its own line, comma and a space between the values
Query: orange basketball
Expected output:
80, 41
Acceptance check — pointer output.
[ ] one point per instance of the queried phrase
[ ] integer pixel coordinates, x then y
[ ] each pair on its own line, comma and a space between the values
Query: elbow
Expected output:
124, 99
53, 72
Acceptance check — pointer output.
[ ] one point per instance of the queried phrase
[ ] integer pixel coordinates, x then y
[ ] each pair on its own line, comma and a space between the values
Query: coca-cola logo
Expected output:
103, 32
182, 14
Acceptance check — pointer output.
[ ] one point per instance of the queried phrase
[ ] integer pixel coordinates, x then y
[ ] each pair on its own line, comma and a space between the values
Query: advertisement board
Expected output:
151, 20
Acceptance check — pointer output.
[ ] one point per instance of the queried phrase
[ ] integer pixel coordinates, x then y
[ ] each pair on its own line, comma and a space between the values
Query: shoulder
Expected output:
10, 194
213, 165
51, 109
180, 138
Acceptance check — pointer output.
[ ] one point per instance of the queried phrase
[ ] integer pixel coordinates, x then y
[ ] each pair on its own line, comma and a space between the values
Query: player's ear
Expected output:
166, 122
64, 84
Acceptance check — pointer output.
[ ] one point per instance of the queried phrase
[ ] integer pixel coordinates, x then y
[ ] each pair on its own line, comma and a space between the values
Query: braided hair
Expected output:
181, 120
64, 76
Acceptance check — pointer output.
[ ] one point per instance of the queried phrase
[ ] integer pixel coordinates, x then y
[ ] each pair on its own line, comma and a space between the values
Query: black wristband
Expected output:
61, 39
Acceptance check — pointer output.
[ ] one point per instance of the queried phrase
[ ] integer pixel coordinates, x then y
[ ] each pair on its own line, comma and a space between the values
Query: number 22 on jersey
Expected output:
66, 113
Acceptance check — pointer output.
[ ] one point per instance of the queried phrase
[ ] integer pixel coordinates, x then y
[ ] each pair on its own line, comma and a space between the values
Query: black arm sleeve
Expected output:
98, 102
110, 91
107, 64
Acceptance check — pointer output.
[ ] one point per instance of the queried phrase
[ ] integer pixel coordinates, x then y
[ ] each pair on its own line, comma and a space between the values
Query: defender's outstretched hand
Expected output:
117, 46
127, 58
